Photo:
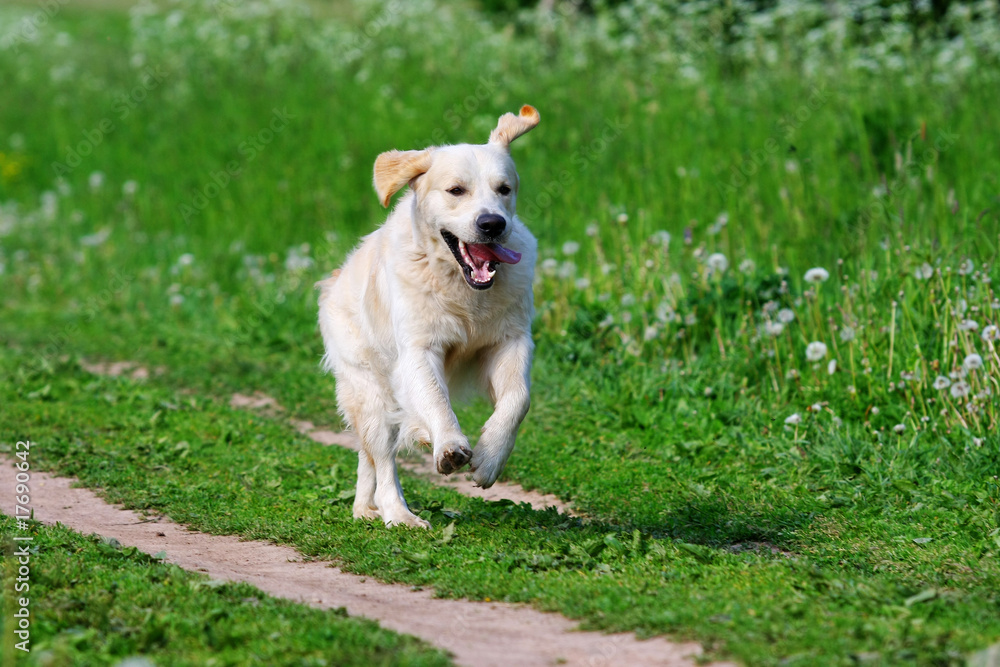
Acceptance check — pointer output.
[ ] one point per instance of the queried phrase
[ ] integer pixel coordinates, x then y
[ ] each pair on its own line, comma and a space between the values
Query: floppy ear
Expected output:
394, 169
510, 127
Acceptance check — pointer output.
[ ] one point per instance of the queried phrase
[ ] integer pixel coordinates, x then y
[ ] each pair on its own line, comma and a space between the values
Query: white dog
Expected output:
439, 294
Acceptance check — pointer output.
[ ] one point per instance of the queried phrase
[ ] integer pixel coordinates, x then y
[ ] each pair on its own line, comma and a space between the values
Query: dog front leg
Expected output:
507, 368
423, 393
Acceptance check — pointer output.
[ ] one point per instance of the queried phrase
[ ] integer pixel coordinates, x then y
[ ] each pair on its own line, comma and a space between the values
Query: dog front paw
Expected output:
485, 470
452, 456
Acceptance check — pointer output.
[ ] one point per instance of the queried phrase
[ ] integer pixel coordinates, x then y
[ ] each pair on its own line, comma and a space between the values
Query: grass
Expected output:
739, 493
96, 602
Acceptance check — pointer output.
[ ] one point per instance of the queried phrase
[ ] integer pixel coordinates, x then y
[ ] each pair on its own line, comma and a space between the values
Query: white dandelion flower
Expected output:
968, 325
875, 410
550, 265
96, 180
774, 328
690, 319
622, 218
786, 315
831, 367
990, 333
847, 333
817, 275
793, 419
592, 229
899, 428
628, 300
187, 259
661, 237
792, 374
129, 188
97, 238
650, 333
815, 350
570, 247
747, 266
941, 382
582, 283
966, 267
960, 389
973, 362
176, 299
924, 271
717, 262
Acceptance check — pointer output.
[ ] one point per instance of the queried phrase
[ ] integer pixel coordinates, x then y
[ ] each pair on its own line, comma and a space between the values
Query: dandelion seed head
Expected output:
570, 247
847, 333
817, 275
941, 383
960, 389
717, 262
786, 315
815, 350
793, 419
899, 428
973, 362
95, 180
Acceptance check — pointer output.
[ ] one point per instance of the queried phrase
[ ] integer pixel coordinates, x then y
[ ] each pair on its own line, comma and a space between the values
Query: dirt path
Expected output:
416, 461
477, 633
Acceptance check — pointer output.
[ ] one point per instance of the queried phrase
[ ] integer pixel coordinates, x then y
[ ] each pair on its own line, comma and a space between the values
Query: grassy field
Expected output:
766, 363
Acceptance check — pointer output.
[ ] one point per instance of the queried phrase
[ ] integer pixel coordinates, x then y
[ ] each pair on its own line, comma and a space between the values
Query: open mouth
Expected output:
479, 260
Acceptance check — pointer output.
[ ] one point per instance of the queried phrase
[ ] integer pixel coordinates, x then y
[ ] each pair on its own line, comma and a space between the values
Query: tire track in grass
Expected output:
478, 634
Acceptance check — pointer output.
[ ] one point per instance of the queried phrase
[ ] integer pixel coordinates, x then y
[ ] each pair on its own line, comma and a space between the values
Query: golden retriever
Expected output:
438, 295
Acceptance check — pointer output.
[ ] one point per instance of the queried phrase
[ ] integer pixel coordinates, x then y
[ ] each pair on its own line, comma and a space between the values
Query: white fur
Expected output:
399, 322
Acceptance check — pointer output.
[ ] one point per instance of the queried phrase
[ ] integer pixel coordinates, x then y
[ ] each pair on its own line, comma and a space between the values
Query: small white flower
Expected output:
899, 428
622, 218
650, 333
973, 362
570, 247
661, 237
786, 315
966, 267
592, 229
550, 265
831, 367
129, 188
960, 389
875, 410
747, 266
924, 271
176, 299
793, 419
717, 262
817, 275
582, 283
815, 350
185, 260
628, 300
792, 374
97, 238
690, 319
990, 332
846, 333
96, 180
941, 382
968, 325
774, 328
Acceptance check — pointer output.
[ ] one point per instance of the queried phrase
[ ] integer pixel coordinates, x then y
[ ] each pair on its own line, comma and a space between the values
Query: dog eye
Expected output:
457, 191
504, 189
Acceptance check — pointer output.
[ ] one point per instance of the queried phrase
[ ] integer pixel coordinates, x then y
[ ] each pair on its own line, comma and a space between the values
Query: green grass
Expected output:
662, 383
96, 602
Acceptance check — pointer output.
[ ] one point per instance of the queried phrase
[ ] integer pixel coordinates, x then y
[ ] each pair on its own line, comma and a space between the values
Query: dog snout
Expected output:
491, 224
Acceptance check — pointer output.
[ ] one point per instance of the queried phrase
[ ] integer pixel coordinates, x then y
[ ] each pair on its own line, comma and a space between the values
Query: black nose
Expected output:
491, 224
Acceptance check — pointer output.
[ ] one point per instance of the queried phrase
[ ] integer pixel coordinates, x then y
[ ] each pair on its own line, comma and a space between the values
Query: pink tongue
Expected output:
493, 252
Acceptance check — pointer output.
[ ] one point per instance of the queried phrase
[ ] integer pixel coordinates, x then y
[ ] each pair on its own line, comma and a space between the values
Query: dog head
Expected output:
466, 196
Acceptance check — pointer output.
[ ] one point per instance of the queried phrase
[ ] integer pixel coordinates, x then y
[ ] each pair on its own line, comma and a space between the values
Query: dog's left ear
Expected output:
510, 127
395, 169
